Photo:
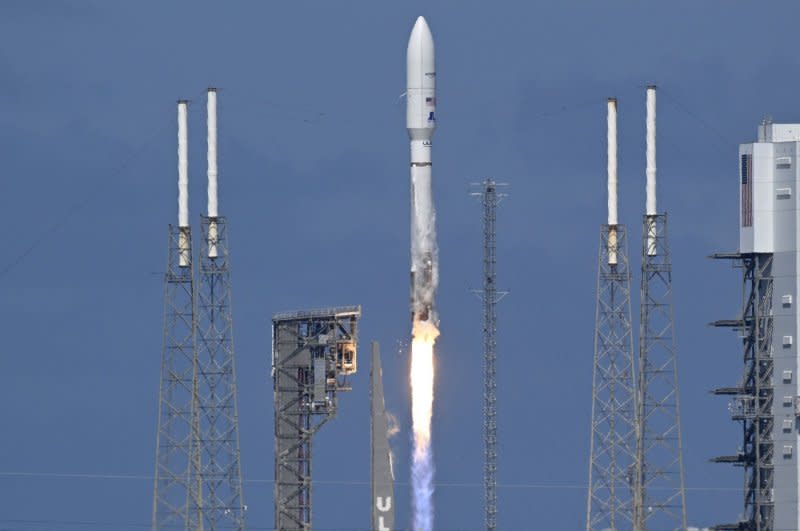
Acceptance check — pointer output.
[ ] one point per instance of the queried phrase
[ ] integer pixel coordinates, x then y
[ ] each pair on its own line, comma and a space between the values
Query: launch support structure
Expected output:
313, 352
490, 296
220, 477
613, 435
766, 399
660, 499
176, 497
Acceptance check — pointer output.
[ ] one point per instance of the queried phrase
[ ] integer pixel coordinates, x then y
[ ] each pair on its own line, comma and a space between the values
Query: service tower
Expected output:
313, 352
767, 397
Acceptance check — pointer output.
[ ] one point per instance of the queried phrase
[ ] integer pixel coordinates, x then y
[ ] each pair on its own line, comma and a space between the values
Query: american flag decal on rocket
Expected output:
747, 190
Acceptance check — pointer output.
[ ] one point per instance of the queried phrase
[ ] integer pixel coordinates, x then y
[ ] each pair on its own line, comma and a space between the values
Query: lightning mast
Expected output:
660, 500
175, 493
612, 461
220, 476
490, 296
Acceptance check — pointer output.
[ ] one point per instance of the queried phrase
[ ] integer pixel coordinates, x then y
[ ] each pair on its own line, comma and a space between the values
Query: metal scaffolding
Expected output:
752, 400
490, 296
612, 462
312, 354
175, 494
220, 477
659, 497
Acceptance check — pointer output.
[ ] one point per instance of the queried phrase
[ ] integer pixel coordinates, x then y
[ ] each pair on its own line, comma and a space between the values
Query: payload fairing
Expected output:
421, 123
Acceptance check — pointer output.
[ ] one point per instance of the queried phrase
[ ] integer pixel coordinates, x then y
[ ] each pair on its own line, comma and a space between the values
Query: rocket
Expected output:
421, 123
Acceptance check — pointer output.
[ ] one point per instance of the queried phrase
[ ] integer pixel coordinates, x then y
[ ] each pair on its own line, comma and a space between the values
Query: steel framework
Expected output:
490, 296
659, 499
612, 462
752, 400
220, 477
312, 354
175, 493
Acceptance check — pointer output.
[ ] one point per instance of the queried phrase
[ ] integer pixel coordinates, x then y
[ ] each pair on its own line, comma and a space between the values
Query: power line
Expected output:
334, 482
79, 205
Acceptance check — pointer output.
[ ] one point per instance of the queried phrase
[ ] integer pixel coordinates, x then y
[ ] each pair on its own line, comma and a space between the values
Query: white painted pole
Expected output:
183, 166
183, 186
212, 153
651, 151
612, 181
213, 211
650, 188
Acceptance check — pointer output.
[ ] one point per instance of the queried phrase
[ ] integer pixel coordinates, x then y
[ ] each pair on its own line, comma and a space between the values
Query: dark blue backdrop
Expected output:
314, 180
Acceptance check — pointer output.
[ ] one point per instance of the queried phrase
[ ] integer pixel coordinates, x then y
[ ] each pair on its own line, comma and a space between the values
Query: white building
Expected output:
769, 221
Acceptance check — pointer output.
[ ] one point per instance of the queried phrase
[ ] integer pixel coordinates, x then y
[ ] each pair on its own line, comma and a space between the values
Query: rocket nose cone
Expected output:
421, 39
421, 24
420, 60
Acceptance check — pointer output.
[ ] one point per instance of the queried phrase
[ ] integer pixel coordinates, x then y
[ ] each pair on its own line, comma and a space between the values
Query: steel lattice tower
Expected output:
176, 496
613, 440
312, 354
220, 475
176, 456
752, 401
490, 296
660, 500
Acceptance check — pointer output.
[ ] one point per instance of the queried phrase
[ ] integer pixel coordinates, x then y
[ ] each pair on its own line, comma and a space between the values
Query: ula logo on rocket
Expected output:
383, 505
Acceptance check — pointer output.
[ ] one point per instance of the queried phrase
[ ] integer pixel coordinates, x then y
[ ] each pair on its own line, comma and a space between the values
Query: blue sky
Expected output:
314, 181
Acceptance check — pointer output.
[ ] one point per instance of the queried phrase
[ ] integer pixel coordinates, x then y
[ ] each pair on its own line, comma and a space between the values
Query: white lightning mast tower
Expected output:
612, 461
220, 476
175, 492
659, 500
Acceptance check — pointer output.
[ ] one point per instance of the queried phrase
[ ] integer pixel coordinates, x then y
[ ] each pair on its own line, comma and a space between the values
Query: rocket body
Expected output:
421, 123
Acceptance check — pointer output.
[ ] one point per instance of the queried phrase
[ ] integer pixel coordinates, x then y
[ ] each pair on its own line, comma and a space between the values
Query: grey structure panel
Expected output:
382, 502
312, 353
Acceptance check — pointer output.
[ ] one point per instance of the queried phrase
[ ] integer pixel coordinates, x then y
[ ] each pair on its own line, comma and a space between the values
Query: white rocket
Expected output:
421, 123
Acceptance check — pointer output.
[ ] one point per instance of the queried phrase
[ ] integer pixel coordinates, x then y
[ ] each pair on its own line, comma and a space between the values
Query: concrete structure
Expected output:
313, 352
767, 398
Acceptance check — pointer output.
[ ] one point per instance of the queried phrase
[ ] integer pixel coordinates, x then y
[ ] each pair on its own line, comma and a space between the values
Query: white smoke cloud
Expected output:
393, 426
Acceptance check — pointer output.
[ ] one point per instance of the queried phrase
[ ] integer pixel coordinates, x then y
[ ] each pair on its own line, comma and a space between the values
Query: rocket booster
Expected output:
421, 123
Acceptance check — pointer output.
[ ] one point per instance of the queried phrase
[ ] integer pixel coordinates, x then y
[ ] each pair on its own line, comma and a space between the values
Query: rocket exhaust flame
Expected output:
421, 123
422, 375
